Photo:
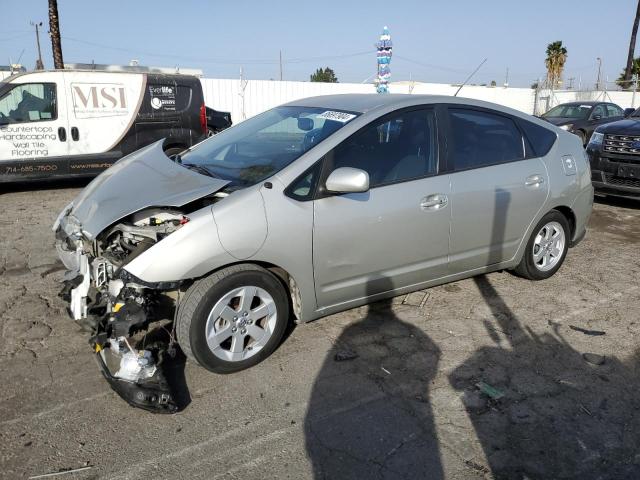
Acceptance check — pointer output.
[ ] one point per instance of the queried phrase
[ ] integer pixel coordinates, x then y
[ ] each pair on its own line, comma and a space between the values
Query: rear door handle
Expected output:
434, 202
62, 134
75, 135
534, 181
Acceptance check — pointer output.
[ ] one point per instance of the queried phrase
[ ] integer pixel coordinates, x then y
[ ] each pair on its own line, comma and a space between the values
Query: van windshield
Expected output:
255, 149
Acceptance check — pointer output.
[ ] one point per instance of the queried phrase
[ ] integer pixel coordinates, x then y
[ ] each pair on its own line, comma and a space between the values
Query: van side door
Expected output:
33, 127
102, 109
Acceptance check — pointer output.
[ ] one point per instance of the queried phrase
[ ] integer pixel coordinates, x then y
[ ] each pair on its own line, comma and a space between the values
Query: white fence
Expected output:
251, 97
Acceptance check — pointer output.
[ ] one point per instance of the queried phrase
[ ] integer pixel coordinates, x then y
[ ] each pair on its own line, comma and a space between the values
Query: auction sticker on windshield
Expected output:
337, 116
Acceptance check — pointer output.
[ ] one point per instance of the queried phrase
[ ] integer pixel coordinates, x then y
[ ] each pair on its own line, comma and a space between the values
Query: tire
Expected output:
171, 151
543, 266
232, 350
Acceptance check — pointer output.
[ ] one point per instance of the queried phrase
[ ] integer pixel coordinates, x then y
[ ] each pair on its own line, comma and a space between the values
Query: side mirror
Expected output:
348, 180
596, 117
305, 124
628, 112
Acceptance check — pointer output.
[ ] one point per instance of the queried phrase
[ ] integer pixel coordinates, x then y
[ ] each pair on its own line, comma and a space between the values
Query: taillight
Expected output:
203, 118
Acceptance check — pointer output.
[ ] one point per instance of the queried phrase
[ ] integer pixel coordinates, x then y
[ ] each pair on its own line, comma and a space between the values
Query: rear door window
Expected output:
479, 138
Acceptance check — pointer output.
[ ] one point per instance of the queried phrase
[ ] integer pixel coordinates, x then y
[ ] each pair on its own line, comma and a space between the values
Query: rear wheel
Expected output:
547, 247
233, 319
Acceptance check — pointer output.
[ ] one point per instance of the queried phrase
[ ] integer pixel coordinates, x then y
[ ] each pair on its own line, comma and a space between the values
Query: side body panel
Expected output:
365, 243
492, 210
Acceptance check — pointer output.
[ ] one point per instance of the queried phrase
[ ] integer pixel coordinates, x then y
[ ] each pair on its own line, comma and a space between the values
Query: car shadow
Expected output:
546, 411
369, 415
613, 201
45, 184
542, 409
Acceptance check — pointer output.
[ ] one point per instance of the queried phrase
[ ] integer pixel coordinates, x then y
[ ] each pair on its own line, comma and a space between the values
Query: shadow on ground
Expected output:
49, 184
561, 416
370, 416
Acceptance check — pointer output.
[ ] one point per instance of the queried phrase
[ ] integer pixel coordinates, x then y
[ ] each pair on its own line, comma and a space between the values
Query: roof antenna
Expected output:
469, 77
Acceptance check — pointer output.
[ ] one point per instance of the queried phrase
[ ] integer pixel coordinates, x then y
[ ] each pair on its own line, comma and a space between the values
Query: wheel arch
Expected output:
286, 279
570, 216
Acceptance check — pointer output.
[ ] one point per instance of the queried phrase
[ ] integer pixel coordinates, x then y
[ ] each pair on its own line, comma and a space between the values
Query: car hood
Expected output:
561, 120
146, 178
628, 126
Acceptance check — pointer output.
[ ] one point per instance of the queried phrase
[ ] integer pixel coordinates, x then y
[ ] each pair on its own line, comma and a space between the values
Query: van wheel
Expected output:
233, 319
173, 151
547, 247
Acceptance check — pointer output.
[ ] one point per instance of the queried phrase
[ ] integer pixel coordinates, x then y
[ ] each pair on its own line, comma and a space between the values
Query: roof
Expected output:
369, 102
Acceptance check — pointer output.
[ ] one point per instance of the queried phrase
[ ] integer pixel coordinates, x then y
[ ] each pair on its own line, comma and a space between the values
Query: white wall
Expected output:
260, 95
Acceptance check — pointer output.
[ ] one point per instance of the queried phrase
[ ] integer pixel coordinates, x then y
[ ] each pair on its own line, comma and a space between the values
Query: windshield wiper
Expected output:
199, 169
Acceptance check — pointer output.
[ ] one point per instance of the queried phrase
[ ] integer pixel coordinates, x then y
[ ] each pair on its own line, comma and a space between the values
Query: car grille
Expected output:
629, 144
621, 181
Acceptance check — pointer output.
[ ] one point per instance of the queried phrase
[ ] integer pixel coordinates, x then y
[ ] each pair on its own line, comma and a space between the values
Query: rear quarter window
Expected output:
540, 139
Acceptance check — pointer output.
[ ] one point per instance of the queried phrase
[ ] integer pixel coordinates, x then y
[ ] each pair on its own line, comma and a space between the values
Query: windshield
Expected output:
263, 145
568, 111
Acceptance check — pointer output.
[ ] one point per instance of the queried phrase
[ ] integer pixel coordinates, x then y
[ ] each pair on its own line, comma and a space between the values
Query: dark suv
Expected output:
614, 153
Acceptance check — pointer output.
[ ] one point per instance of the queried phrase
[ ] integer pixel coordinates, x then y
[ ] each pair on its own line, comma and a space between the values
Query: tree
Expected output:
622, 80
54, 31
626, 76
556, 58
326, 75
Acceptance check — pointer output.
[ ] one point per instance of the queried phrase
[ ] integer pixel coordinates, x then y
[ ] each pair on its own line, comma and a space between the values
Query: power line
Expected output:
218, 60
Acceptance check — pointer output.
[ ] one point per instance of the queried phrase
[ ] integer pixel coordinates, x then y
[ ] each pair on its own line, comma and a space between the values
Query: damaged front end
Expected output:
125, 211
117, 308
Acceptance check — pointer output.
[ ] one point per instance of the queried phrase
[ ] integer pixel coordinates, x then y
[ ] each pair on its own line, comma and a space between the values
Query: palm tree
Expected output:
54, 31
556, 58
632, 45
635, 71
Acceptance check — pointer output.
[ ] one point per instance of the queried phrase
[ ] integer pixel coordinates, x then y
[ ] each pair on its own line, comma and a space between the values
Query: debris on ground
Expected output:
593, 358
344, 355
61, 472
490, 391
385, 371
587, 331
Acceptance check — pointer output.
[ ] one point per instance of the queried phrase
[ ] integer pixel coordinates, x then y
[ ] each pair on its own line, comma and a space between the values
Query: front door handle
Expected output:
534, 181
62, 134
434, 202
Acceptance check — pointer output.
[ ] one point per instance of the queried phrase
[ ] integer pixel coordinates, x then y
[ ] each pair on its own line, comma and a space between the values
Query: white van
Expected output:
77, 123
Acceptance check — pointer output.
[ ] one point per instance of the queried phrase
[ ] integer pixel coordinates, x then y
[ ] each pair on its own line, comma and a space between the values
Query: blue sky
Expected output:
435, 41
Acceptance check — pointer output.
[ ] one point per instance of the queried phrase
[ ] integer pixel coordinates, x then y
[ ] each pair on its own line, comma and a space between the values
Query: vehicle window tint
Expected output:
598, 110
483, 138
614, 111
32, 102
183, 98
540, 138
397, 148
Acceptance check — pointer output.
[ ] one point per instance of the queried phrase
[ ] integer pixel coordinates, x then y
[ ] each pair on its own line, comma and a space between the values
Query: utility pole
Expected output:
280, 65
39, 64
570, 79
54, 31
506, 79
599, 73
635, 89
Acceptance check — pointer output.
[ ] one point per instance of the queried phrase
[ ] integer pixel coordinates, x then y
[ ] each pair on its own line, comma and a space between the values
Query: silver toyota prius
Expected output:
311, 208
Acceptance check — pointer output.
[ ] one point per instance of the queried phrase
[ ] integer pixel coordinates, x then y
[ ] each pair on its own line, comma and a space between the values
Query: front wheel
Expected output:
547, 247
233, 319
